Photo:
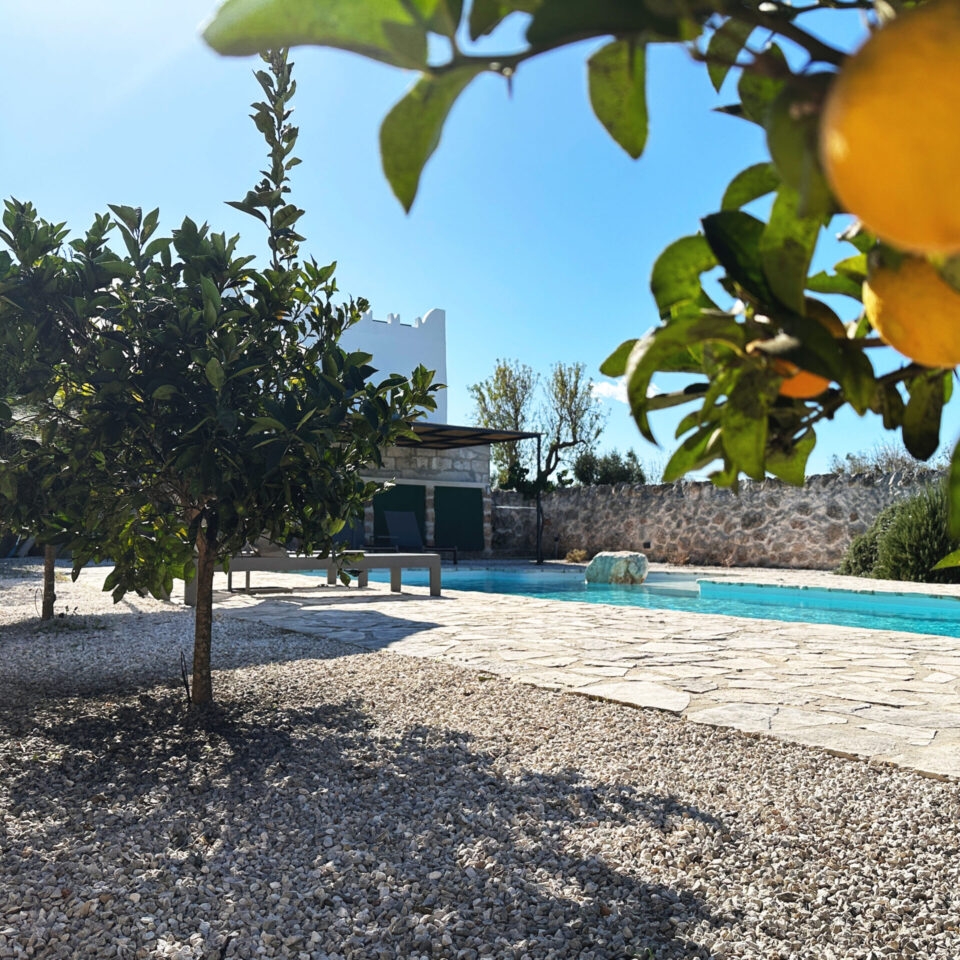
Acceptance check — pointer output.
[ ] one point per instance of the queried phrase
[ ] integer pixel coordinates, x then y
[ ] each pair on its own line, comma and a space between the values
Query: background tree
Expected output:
220, 401
591, 470
566, 412
505, 401
750, 416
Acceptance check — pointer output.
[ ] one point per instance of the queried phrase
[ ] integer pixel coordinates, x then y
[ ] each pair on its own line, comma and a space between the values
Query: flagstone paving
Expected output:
883, 695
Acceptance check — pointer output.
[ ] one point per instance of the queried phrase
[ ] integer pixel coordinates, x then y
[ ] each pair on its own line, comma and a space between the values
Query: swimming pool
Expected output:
907, 612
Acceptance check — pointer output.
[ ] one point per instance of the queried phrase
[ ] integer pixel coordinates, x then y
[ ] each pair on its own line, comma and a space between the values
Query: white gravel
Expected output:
355, 805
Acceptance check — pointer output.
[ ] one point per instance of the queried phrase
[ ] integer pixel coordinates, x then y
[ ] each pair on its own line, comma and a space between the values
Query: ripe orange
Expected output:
889, 133
801, 384
915, 310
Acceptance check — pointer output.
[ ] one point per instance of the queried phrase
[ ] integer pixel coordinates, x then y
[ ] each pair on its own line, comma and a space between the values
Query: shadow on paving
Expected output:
251, 792
127, 650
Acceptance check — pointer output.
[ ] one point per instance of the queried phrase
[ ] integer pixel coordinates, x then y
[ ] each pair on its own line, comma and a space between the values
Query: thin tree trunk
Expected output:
202, 691
49, 570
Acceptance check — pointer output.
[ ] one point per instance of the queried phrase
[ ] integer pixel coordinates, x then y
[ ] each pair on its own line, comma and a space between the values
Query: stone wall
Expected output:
769, 524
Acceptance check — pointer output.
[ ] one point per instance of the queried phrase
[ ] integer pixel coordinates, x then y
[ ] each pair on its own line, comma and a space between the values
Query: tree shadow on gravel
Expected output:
127, 651
399, 839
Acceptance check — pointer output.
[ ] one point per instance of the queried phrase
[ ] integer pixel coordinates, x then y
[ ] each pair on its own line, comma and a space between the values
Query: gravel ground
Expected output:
339, 804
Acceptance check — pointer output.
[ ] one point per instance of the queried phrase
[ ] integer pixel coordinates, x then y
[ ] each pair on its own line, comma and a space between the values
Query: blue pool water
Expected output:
911, 613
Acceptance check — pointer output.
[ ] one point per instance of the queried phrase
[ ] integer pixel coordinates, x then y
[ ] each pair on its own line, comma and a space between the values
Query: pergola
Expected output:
446, 436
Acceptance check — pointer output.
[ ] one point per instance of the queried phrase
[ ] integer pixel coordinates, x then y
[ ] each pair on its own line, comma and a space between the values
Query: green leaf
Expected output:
953, 492
165, 391
486, 15
215, 373
824, 282
786, 249
744, 420
675, 280
411, 130
758, 91
557, 21
734, 238
749, 184
921, 418
617, 81
725, 45
695, 452
950, 560
386, 30
666, 347
616, 364
791, 465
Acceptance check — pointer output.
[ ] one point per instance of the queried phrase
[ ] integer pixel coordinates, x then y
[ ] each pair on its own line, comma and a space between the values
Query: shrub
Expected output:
576, 556
916, 540
905, 542
861, 555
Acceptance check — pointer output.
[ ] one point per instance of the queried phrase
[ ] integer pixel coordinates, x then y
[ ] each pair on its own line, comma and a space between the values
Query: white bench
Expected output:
365, 562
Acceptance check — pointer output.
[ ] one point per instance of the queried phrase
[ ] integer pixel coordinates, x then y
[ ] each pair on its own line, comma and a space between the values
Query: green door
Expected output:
459, 517
403, 497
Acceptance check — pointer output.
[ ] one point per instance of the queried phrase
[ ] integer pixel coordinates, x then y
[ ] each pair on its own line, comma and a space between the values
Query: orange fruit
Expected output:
801, 384
915, 310
890, 135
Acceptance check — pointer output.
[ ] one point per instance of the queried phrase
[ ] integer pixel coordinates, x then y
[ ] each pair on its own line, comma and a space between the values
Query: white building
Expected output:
400, 347
444, 480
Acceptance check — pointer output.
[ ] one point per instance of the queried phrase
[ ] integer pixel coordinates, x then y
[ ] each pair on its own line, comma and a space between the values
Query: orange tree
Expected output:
872, 134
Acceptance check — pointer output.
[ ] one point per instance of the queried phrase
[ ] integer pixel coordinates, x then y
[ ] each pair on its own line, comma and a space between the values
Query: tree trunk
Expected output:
49, 571
202, 691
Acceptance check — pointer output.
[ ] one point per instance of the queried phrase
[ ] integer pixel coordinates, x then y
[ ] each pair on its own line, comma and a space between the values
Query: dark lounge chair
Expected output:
405, 534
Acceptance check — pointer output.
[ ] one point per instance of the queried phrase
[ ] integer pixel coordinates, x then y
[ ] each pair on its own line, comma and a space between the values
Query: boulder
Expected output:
617, 566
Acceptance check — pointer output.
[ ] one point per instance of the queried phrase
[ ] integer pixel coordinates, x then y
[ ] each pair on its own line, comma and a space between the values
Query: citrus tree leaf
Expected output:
694, 453
744, 421
950, 560
791, 465
386, 30
676, 274
921, 418
734, 238
824, 282
616, 364
486, 15
748, 185
724, 48
758, 91
411, 130
786, 249
559, 20
617, 82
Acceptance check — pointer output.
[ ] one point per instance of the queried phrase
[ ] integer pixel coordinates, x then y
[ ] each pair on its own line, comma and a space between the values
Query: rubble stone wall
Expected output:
768, 524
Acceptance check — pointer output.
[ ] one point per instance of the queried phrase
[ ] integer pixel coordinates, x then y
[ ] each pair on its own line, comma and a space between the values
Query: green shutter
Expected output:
459, 517
403, 497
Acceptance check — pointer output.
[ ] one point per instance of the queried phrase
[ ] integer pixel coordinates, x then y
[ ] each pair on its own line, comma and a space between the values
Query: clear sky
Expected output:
532, 229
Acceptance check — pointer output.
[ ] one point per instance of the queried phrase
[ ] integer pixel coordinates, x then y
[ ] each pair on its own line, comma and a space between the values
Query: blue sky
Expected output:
532, 229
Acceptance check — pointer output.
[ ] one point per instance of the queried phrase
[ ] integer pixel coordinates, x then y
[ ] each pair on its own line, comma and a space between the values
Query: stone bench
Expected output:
396, 563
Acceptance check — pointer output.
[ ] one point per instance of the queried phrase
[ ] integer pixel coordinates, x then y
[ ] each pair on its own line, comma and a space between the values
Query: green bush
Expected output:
861, 555
905, 542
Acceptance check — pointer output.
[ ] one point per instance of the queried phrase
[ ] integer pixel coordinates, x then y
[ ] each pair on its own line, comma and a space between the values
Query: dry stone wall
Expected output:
768, 524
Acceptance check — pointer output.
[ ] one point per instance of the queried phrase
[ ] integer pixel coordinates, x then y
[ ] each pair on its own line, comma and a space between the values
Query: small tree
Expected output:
221, 400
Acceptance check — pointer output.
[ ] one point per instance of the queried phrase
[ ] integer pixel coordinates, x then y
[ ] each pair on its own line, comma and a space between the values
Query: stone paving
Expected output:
874, 694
